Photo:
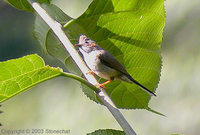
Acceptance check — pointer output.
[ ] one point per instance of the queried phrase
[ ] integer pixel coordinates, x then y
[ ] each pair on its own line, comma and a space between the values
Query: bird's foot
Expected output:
102, 85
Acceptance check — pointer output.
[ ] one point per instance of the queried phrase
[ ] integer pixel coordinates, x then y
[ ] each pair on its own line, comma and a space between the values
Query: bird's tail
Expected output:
141, 86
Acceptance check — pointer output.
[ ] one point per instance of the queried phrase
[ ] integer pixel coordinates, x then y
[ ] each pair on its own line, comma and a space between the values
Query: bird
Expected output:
103, 64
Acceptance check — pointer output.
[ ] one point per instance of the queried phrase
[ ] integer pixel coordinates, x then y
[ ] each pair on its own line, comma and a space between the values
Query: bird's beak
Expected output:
92, 44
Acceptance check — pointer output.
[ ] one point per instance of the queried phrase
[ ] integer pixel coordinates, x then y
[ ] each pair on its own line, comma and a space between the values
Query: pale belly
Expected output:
97, 67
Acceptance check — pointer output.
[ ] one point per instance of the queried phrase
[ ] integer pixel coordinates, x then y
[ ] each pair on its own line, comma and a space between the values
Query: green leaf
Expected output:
24, 5
107, 132
132, 32
18, 75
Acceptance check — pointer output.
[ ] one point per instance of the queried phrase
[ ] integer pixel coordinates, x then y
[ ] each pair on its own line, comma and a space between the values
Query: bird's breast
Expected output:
93, 62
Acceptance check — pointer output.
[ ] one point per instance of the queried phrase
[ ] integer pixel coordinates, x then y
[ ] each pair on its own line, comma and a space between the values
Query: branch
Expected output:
57, 29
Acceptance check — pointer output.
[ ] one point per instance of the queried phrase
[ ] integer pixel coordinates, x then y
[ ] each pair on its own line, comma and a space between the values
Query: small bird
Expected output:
103, 64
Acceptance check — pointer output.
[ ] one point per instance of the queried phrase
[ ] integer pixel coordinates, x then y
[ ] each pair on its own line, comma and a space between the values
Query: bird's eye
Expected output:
86, 40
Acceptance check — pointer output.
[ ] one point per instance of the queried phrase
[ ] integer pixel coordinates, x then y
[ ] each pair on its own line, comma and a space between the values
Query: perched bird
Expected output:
103, 64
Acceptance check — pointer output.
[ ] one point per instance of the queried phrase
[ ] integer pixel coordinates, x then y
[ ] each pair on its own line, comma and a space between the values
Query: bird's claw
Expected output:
99, 85
102, 85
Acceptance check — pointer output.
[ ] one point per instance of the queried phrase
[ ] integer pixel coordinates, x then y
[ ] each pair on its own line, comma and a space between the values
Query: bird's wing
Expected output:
110, 61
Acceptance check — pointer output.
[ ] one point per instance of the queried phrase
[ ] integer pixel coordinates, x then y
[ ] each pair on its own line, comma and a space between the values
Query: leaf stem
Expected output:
57, 29
80, 79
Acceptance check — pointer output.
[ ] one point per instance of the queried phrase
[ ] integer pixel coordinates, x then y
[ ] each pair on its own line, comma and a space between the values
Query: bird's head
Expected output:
86, 44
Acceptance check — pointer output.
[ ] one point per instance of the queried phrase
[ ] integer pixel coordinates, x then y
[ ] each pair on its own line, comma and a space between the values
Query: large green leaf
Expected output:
131, 30
18, 75
107, 132
24, 5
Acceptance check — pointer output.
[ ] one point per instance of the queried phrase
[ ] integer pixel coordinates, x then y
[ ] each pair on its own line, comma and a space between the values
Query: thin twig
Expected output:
57, 29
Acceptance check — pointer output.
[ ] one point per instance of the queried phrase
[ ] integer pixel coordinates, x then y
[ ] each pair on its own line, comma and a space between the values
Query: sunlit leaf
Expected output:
132, 32
21, 74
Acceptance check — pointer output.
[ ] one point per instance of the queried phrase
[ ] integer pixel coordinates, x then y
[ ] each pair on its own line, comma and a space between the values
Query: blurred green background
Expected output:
60, 103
